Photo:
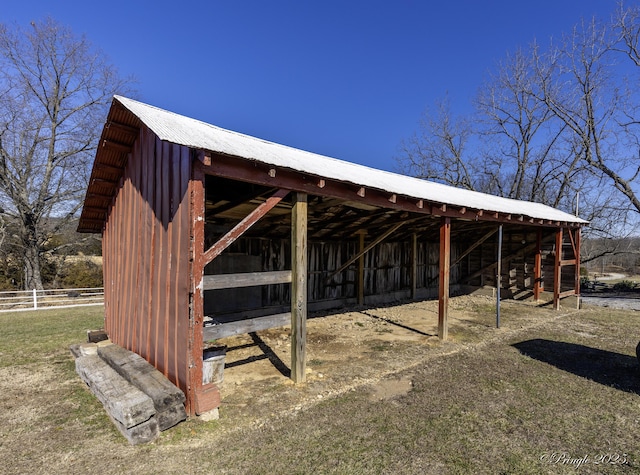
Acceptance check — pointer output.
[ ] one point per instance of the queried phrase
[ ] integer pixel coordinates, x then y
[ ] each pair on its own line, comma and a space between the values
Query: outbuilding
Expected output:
209, 233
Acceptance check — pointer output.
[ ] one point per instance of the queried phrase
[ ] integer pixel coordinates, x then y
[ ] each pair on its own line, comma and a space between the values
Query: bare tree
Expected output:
627, 25
552, 124
437, 151
525, 157
581, 88
3, 230
54, 90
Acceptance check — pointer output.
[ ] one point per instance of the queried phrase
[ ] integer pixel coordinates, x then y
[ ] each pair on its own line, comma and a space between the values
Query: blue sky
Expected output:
348, 79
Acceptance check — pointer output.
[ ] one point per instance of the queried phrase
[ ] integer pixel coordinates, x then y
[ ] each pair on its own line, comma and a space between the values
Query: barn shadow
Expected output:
267, 353
605, 367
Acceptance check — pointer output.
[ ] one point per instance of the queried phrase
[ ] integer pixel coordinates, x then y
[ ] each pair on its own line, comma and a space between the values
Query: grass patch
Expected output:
27, 337
566, 386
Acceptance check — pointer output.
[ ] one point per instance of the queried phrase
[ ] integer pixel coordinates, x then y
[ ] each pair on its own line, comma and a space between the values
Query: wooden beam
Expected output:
239, 169
127, 129
96, 209
474, 246
241, 327
566, 293
414, 265
98, 222
253, 217
196, 272
499, 276
238, 201
104, 196
373, 244
117, 146
109, 168
245, 279
577, 256
573, 243
443, 284
537, 267
298, 287
204, 157
361, 236
104, 181
557, 270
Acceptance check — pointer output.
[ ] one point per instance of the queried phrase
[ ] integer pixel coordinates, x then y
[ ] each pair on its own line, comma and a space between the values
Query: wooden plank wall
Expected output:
147, 287
518, 266
387, 270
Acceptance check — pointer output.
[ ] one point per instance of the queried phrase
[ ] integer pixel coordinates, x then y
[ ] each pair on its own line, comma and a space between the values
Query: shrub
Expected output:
81, 274
585, 283
625, 286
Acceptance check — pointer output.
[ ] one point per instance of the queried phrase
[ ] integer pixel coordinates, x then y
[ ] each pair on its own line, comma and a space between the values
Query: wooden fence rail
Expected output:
17, 300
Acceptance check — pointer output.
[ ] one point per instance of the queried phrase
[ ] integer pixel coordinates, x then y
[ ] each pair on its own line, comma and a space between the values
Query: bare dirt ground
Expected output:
354, 349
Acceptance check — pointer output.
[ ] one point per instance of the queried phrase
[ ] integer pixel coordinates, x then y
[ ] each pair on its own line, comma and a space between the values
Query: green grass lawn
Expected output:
558, 397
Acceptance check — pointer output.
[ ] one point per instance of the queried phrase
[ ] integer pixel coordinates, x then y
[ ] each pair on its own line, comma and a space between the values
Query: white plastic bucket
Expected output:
213, 365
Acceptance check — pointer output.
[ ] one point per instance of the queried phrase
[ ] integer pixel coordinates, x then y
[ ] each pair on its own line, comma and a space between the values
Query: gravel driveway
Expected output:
613, 301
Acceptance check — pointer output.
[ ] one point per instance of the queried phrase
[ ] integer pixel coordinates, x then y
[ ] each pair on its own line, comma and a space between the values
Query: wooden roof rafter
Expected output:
243, 225
256, 172
234, 203
119, 127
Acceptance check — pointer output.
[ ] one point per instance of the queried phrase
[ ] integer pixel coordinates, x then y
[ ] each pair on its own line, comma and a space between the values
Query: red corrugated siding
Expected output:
146, 244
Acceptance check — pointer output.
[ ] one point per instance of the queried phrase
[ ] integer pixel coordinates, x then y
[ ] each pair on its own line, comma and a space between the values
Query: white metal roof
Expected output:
193, 133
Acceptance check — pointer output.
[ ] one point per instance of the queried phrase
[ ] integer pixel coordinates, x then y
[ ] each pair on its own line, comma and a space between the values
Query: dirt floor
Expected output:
357, 348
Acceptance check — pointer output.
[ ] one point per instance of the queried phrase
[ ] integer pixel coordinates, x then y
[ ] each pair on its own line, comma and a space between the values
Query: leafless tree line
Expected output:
54, 90
551, 123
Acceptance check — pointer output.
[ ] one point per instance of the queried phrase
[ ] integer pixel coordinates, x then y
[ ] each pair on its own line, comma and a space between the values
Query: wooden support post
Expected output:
298, 287
577, 251
443, 287
557, 270
499, 276
537, 267
360, 285
195, 344
414, 265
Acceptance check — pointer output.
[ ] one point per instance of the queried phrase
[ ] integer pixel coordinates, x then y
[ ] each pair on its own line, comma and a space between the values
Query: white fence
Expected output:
11, 301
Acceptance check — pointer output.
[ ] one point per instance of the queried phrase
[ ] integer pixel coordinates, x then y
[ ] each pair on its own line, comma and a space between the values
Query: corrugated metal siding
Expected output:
147, 250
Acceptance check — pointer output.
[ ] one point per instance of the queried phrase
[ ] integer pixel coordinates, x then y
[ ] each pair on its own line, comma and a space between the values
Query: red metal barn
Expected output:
209, 233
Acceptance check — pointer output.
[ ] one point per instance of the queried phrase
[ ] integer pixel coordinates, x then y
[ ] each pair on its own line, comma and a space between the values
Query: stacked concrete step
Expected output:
138, 398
